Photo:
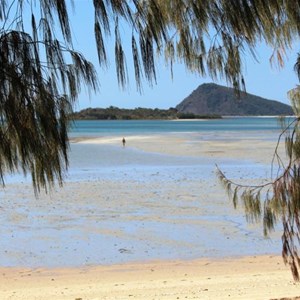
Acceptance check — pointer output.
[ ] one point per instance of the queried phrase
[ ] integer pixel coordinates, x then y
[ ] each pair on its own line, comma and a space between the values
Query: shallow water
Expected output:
140, 127
123, 205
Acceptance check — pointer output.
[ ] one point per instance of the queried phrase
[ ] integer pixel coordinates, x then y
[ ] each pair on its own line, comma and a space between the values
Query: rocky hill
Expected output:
213, 99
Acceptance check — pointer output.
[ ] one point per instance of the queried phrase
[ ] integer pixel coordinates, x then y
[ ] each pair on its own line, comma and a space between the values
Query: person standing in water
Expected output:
123, 141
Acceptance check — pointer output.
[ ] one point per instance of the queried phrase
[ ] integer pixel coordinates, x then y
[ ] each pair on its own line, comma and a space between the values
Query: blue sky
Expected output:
261, 78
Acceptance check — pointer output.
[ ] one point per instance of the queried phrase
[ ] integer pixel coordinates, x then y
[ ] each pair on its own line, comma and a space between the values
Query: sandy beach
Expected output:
157, 229
263, 277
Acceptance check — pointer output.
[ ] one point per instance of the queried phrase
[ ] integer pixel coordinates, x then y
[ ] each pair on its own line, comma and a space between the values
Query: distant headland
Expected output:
115, 113
208, 101
212, 99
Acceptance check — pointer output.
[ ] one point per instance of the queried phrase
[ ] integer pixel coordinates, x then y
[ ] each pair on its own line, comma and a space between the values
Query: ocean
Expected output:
107, 128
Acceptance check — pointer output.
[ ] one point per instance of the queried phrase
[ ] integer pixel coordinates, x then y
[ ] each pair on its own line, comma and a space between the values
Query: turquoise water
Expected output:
107, 128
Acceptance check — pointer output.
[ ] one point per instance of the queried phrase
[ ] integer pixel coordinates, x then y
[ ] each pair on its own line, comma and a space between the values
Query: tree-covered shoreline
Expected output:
115, 113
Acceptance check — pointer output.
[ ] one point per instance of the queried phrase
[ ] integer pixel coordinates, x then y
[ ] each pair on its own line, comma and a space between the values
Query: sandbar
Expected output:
224, 145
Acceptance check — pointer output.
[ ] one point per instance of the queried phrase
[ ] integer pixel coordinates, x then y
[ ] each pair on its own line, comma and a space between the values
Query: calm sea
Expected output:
137, 127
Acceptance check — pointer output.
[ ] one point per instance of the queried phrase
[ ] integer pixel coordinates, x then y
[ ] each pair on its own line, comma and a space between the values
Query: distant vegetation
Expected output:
115, 113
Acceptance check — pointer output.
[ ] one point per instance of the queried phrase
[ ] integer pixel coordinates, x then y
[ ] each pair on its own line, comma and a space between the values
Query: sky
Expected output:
261, 78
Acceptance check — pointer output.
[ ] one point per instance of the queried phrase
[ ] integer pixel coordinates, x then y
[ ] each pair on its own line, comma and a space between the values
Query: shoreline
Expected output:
251, 277
123, 204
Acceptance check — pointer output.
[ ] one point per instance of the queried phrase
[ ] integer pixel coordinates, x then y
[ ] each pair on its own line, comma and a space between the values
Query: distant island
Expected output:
208, 101
115, 113
212, 99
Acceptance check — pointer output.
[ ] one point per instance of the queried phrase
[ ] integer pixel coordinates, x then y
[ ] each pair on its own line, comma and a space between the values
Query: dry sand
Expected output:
251, 277
263, 277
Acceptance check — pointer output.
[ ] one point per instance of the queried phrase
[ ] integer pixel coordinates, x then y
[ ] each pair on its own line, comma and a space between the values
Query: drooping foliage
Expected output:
38, 85
210, 37
42, 74
277, 201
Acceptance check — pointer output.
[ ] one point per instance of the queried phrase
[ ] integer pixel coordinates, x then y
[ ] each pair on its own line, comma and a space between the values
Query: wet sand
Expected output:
223, 145
137, 229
